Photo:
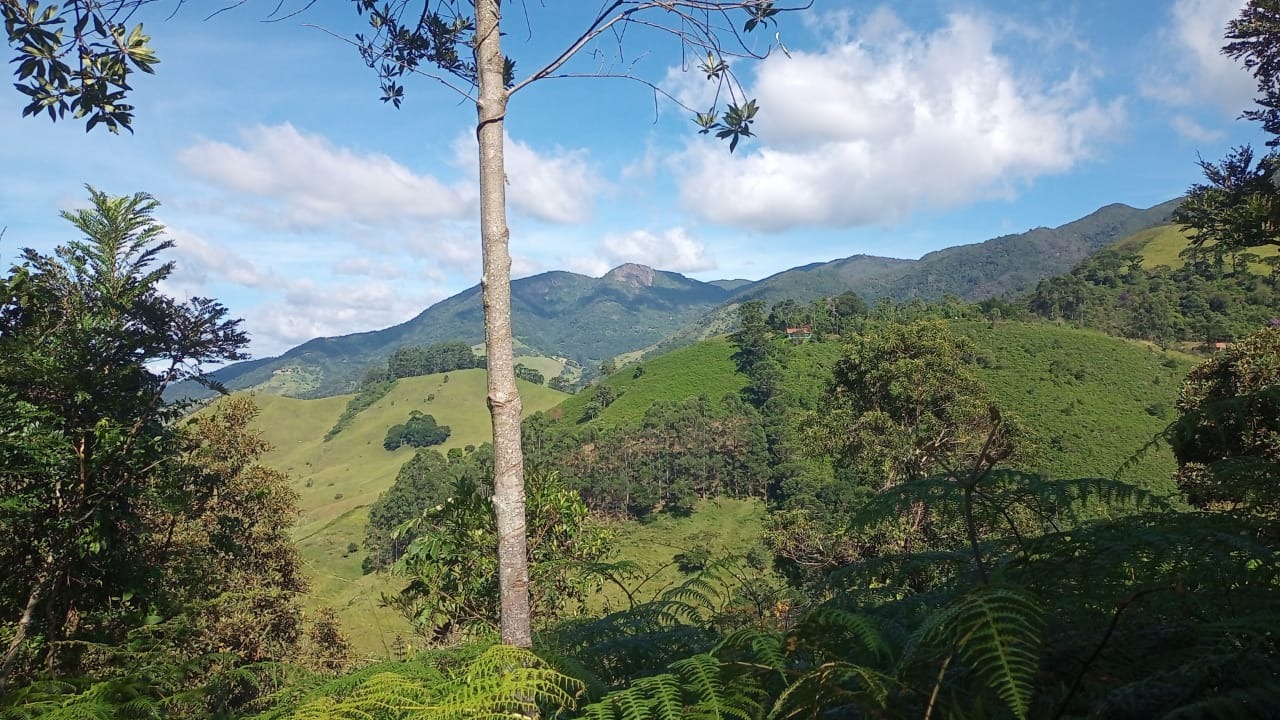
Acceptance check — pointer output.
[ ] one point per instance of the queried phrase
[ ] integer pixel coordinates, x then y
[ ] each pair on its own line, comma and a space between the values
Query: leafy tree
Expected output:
88, 451
419, 430
1227, 439
442, 357
561, 383
903, 405
529, 374
752, 337
848, 305
228, 548
452, 561
1239, 205
422, 482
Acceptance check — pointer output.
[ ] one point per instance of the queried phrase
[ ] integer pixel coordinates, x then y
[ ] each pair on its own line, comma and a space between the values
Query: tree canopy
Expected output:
91, 462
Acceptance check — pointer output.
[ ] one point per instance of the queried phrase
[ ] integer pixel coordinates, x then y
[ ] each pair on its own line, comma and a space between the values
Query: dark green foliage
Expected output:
418, 431
1206, 300
452, 561
425, 481
1238, 205
106, 51
88, 455
680, 450
1227, 439
529, 374
602, 396
442, 357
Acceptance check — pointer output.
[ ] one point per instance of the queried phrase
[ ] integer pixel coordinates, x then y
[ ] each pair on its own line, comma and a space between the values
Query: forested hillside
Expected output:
1034, 477
1155, 286
891, 486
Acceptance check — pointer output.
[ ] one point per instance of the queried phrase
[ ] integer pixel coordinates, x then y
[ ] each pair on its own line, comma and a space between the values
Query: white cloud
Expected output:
199, 262
1194, 131
364, 267
309, 310
449, 249
289, 178
558, 187
673, 249
1196, 72
522, 266
870, 129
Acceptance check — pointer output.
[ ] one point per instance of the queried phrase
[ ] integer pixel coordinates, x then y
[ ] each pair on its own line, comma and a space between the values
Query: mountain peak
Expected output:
632, 274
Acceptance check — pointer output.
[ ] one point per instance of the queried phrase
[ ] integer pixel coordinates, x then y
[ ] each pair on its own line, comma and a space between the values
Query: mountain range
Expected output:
634, 307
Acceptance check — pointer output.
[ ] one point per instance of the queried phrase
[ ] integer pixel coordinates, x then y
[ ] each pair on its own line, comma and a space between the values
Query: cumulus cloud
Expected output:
199, 262
309, 310
891, 120
1196, 71
673, 249
558, 187
448, 249
300, 180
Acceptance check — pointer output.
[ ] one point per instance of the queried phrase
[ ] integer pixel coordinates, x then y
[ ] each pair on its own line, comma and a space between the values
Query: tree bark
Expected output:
503, 396
24, 624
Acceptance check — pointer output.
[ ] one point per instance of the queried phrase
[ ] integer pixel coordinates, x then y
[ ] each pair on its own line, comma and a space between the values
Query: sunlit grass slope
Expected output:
1094, 401
1163, 245
704, 368
337, 480
725, 526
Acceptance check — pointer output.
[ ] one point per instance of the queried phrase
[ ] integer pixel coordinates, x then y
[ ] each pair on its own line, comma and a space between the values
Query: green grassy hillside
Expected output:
705, 368
1093, 400
337, 480
1163, 245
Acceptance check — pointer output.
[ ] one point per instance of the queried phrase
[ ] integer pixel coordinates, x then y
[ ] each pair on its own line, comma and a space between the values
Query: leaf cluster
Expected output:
105, 51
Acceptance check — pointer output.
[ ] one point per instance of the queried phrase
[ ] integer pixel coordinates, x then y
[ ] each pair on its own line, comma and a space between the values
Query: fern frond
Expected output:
996, 631
836, 632
833, 685
500, 682
762, 646
1259, 702
998, 634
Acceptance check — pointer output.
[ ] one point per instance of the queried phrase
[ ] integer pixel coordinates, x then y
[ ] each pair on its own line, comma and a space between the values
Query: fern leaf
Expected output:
997, 632
835, 629
831, 685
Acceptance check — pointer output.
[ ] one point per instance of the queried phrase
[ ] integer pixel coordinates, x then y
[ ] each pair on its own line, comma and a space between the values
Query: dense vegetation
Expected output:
1211, 297
145, 558
964, 514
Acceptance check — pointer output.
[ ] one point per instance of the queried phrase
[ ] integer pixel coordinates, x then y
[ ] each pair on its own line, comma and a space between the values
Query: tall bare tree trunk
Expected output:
503, 398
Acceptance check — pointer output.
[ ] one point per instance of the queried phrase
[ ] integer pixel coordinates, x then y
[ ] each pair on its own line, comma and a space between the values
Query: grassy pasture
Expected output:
1163, 245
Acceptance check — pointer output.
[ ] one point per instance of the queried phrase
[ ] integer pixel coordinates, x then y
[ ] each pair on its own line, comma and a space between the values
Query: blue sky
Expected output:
310, 208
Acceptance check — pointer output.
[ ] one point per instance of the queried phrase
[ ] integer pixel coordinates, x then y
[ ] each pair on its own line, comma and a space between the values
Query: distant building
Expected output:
803, 332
